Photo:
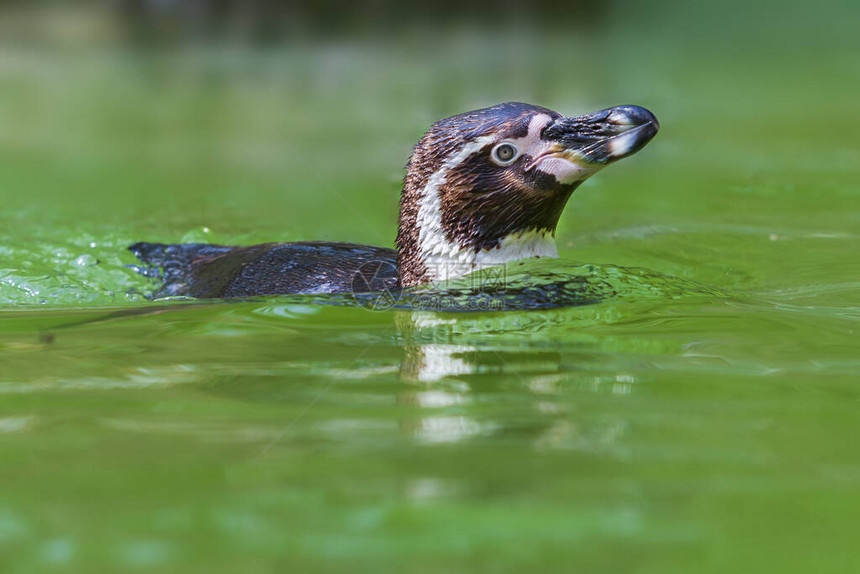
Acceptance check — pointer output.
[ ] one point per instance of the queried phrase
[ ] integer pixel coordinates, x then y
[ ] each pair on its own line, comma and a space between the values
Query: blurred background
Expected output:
698, 420
261, 120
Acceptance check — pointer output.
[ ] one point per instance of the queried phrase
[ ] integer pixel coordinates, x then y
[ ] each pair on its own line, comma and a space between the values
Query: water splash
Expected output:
541, 284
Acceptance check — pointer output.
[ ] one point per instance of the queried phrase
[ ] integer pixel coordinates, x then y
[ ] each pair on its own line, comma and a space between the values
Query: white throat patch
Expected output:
445, 259
449, 261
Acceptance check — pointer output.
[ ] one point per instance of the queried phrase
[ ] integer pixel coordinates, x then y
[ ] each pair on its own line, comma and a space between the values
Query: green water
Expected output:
702, 417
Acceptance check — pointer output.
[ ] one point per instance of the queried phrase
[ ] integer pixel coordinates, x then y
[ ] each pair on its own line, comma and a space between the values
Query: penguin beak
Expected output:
600, 138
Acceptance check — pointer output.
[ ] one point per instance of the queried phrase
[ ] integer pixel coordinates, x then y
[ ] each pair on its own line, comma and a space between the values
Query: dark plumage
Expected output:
481, 188
206, 271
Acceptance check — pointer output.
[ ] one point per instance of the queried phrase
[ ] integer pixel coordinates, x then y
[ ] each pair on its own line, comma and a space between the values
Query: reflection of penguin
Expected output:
449, 361
437, 347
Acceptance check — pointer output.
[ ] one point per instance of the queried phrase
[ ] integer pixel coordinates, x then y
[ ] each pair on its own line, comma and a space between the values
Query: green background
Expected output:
668, 429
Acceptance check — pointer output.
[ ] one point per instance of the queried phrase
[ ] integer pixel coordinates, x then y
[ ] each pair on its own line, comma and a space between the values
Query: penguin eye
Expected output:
504, 153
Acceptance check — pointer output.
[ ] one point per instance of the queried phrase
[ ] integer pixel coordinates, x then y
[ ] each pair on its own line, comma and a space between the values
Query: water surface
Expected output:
698, 415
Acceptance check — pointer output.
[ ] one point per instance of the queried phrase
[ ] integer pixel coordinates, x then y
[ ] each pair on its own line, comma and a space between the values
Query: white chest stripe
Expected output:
431, 238
445, 259
455, 262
